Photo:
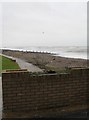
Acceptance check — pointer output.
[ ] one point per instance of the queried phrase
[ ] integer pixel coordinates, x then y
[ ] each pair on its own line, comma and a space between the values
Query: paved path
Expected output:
25, 65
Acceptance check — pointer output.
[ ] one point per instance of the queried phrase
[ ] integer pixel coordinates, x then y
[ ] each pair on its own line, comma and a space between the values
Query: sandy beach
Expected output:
47, 61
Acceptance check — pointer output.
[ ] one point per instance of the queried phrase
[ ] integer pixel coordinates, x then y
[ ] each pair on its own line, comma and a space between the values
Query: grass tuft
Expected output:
6, 63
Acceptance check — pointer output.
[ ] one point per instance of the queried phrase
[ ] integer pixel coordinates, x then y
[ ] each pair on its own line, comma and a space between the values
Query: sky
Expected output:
43, 24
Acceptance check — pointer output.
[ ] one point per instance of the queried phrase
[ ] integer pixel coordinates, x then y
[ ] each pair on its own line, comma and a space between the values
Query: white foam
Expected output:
64, 51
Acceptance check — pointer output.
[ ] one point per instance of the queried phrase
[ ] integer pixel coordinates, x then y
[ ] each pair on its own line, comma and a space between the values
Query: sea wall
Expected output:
25, 92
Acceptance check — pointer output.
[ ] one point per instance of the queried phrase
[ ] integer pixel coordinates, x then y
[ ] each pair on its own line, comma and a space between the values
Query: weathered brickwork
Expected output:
25, 92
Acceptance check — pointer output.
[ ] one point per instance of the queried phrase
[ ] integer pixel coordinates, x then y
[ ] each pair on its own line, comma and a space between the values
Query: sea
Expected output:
64, 51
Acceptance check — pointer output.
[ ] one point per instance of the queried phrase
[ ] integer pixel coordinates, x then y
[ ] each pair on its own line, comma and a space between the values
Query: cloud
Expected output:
62, 24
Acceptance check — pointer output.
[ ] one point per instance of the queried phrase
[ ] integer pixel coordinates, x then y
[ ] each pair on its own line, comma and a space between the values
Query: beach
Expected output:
47, 61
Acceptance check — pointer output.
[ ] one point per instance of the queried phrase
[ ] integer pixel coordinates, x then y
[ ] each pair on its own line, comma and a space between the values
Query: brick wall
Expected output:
25, 92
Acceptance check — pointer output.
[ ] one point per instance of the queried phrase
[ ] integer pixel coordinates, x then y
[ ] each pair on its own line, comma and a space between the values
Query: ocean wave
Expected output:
65, 51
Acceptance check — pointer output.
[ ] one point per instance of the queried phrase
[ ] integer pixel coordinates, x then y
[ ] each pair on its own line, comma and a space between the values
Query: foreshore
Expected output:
47, 61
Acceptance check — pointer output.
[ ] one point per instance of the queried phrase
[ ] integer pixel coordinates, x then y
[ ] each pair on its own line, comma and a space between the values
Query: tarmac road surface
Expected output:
25, 65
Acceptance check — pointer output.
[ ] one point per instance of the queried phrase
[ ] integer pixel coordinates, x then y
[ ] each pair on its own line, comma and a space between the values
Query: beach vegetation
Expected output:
52, 69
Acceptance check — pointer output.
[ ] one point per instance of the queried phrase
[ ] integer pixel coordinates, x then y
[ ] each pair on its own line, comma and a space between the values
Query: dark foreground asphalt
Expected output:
78, 114
83, 114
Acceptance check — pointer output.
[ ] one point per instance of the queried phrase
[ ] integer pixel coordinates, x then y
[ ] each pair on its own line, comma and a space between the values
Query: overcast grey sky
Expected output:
44, 24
